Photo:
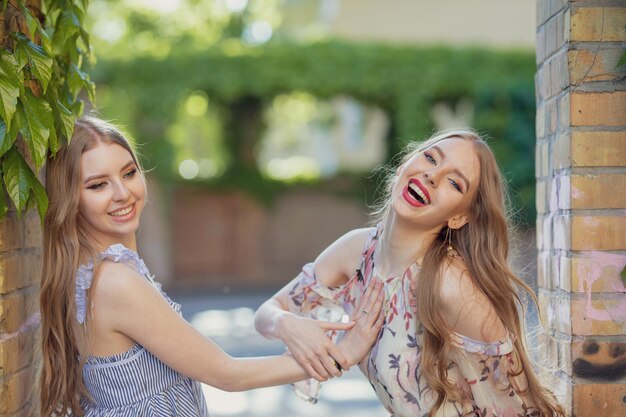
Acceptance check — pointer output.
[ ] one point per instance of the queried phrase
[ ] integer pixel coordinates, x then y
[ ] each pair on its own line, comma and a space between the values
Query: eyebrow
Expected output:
459, 173
94, 177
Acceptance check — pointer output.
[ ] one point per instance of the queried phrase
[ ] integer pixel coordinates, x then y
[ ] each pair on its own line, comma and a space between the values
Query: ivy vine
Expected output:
44, 49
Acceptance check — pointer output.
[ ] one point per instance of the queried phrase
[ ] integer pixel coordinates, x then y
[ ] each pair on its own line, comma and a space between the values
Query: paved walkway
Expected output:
228, 320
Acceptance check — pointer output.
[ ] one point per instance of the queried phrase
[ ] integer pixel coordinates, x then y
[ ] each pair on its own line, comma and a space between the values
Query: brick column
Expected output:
20, 268
581, 200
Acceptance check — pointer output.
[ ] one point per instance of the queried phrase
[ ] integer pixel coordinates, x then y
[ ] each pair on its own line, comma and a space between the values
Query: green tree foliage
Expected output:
404, 81
41, 76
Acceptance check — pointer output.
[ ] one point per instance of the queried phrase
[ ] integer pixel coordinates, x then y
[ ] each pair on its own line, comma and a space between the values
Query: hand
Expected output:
310, 347
369, 318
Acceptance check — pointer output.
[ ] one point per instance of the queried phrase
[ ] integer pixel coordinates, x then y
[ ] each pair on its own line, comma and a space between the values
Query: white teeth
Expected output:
419, 192
121, 212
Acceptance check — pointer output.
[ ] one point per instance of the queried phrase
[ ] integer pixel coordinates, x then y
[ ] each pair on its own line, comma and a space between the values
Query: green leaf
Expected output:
623, 275
68, 24
78, 80
46, 43
31, 22
66, 119
17, 175
22, 185
40, 196
40, 126
40, 62
10, 82
5, 138
78, 106
18, 124
4, 4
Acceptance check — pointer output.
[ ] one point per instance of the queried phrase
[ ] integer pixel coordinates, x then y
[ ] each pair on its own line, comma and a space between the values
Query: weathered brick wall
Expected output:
581, 200
20, 267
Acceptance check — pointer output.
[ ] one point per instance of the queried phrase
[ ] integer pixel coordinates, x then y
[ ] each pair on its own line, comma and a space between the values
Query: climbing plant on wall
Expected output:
44, 50
405, 81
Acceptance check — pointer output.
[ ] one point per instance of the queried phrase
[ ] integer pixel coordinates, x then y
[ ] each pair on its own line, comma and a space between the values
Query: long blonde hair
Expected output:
483, 246
66, 244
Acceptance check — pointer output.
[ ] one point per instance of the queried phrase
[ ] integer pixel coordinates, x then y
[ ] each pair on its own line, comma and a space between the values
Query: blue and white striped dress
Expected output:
134, 383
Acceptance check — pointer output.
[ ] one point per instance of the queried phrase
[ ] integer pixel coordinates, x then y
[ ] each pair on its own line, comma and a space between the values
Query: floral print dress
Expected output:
482, 372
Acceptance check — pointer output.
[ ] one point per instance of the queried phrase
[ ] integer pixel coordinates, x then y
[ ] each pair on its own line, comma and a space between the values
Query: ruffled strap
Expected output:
117, 253
499, 348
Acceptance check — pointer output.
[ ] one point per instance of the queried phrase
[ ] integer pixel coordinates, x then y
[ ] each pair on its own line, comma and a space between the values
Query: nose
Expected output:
120, 191
431, 177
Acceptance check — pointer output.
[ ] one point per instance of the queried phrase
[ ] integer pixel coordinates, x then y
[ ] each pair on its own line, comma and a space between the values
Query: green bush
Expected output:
405, 81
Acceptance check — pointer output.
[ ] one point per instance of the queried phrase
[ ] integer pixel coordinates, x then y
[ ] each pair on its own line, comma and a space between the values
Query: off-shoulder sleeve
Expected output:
489, 377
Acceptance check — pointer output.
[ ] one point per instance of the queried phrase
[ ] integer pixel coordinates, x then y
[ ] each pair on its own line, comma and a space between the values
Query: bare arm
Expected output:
127, 303
306, 338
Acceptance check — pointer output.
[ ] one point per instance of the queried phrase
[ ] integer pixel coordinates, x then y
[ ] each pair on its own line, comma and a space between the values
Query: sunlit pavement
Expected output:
228, 320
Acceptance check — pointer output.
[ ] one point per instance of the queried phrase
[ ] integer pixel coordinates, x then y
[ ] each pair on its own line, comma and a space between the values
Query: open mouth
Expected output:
418, 193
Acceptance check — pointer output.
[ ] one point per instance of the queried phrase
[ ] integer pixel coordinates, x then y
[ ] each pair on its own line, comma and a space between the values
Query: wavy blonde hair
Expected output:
483, 244
66, 245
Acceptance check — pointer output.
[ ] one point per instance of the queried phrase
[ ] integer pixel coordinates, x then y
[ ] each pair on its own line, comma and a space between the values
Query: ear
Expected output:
458, 221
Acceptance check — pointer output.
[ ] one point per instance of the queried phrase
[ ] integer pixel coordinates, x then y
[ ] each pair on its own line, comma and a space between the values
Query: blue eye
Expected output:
430, 158
131, 173
455, 184
97, 186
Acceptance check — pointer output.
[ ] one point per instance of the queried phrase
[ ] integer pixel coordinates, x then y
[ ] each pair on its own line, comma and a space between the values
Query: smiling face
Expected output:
112, 193
435, 187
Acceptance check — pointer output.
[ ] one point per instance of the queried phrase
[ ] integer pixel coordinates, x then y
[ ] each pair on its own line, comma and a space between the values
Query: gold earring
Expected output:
450, 249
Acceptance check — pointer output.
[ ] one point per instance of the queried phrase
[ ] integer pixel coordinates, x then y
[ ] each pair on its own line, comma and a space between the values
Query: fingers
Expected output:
319, 363
329, 325
378, 324
337, 354
324, 366
361, 308
371, 303
320, 368
329, 364
312, 373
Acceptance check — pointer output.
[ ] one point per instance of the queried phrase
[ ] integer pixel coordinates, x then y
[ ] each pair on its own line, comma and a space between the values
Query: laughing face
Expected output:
436, 187
112, 195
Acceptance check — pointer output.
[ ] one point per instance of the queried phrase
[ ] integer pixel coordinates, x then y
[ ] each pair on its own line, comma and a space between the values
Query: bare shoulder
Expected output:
335, 265
464, 307
116, 283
